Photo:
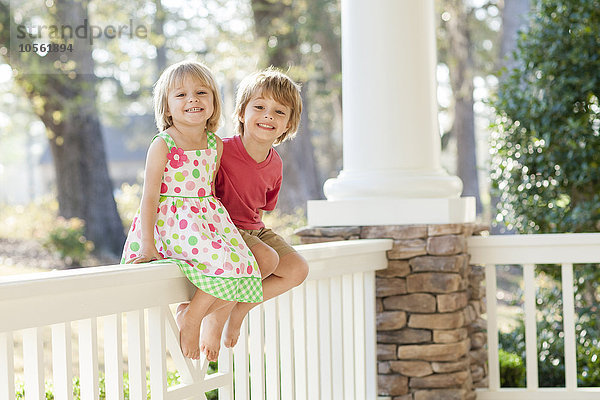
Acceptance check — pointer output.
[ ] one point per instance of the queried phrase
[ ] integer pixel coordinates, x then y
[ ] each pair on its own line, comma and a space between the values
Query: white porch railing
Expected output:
529, 250
316, 342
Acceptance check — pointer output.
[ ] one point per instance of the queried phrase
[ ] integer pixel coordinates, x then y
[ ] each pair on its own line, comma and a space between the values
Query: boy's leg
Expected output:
212, 325
189, 317
290, 272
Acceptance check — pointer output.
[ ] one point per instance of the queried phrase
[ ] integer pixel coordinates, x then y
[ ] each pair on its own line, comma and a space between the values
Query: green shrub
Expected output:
172, 380
67, 239
512, 369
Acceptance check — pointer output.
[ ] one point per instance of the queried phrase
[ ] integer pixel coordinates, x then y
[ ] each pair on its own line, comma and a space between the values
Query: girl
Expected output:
179, 218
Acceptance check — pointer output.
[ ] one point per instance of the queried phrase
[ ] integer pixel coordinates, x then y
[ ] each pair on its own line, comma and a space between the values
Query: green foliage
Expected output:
30, 221
68, 240
512, 369
172, 380
547, 131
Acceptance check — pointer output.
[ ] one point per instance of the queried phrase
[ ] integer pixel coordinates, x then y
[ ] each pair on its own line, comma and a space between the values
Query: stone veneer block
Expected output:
412, 368
395, 269
390, 286
343, 231
437, 321
438, 381
446, 245
404, 249
392, 385
447, 394
391, 320
433, 282
444, 229
311, 239
416, 302
386, 352
394, 232
445, 367
451, 301
437, 263
434, 352
405, 336
450, 335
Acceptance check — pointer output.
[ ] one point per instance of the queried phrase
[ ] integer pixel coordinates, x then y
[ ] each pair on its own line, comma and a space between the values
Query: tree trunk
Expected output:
69, 112
461, 79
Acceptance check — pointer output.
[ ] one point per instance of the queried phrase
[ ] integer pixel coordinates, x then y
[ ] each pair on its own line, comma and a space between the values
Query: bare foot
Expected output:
232, 329
189, 332
210, 337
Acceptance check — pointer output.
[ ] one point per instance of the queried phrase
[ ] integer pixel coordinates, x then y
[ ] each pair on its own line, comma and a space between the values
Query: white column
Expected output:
392, 172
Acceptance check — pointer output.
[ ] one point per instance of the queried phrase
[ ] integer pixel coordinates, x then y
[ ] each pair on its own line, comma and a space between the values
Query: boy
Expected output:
268, 108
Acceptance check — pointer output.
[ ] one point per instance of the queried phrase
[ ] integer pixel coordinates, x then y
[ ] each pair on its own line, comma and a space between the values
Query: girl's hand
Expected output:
146, 255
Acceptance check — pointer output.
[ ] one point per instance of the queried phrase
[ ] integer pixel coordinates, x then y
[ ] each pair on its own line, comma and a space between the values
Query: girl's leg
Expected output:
290, 272
189, 317
213, 323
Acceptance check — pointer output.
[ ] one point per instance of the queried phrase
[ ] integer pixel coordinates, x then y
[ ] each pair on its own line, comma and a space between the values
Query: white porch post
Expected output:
392, 172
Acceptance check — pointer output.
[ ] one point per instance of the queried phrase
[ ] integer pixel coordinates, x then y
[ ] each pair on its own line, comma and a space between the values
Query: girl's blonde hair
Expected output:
275, 84
172, 76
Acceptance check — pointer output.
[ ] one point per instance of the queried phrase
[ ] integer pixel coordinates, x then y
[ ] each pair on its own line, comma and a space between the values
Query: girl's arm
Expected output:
155, 165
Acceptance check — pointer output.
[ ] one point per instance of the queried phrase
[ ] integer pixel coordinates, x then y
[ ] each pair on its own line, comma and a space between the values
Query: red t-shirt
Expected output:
245, 186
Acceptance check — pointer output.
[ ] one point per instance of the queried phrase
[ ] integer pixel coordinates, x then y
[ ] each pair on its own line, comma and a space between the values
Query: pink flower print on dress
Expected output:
176, 157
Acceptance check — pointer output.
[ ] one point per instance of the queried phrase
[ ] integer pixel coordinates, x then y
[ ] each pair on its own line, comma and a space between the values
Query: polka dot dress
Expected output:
194, 230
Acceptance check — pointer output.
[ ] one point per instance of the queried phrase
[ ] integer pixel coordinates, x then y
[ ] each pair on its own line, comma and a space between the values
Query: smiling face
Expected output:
265, 119
190, 103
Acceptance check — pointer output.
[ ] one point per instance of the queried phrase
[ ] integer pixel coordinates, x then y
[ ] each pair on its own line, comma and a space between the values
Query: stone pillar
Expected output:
430, 335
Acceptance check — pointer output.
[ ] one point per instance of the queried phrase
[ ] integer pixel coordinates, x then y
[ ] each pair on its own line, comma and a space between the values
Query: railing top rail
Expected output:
555, 248
56, 296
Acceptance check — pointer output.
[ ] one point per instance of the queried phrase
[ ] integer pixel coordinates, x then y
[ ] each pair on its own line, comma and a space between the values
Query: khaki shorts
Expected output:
268, 237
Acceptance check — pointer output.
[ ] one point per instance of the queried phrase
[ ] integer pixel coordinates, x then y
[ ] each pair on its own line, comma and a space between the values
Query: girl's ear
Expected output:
241, 118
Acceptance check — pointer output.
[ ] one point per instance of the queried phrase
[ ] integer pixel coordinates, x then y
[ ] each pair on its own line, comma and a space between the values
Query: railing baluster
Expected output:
88, 358
7, 376
226, 367
569, 326
286, 344
136, 355
348, 337
359, 337
530, 327
312, 340
370, 335
271, 350
113, 356
257, 346
33, 363
324, 322
492, 327
241, 368
337, 333
300, 342
62, 363
157, 344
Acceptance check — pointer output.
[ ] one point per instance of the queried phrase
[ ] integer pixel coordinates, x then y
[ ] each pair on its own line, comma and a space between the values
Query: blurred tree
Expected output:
299, 37
547, 133
467, 39
546, 142
65, 101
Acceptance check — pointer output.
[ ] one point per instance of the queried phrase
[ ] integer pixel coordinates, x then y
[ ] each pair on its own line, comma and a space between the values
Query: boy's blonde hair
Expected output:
271, 83
172, 76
